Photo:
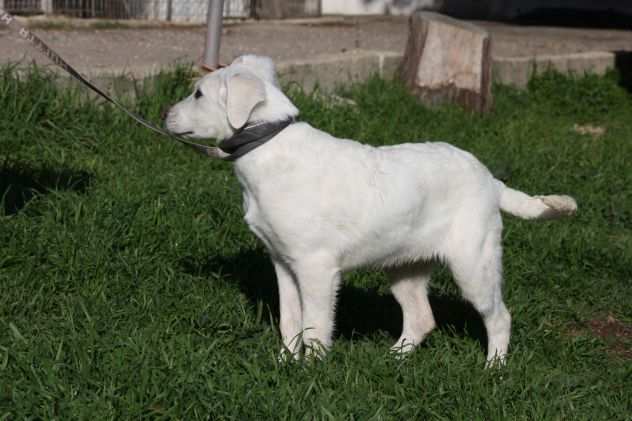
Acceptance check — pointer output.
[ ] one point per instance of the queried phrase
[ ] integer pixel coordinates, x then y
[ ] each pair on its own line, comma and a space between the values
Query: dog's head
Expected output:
227, 99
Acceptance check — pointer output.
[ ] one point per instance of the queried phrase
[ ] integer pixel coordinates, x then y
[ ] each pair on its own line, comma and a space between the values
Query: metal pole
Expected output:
169, 10
213, 34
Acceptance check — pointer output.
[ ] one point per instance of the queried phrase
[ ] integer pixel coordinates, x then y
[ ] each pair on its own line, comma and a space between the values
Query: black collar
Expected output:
252, 136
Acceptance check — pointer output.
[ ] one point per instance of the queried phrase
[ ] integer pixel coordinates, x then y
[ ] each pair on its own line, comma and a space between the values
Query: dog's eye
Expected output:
197, 94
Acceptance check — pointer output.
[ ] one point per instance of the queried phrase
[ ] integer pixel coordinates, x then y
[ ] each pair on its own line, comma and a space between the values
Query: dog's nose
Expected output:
164, 113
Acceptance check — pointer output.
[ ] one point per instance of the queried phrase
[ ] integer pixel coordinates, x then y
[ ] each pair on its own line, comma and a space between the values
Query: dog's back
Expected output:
373, 206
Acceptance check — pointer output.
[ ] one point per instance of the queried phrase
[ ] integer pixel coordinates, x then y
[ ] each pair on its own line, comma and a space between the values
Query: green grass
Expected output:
131, 288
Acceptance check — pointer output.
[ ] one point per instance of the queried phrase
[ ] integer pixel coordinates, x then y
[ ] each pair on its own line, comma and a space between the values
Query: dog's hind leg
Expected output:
478, 273
410, 288
290, 309
318, 279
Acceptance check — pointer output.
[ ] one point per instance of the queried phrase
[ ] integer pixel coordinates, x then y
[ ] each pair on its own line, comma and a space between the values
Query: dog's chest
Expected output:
254, 216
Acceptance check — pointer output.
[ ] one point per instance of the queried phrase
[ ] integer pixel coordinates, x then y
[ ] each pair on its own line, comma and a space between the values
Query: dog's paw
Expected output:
315, 351
402, 349
495, 362
286, 356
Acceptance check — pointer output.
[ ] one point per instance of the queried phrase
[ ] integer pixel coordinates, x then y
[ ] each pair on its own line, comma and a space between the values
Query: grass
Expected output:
131, 288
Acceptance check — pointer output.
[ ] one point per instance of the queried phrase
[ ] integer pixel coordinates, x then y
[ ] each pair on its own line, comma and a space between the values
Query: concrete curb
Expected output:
325, 71
517, 71
328, 71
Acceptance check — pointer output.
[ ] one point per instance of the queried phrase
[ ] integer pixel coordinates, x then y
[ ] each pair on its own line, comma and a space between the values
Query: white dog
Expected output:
323, 206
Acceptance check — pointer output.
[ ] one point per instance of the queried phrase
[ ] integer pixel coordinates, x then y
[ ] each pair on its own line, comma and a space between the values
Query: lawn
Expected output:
131, 288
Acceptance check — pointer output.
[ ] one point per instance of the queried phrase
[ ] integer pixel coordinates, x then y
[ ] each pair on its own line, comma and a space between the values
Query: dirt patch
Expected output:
616, 334
588, 129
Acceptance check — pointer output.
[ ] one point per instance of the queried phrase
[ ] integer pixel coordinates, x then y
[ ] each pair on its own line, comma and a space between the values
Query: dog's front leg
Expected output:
318, 279
290, 309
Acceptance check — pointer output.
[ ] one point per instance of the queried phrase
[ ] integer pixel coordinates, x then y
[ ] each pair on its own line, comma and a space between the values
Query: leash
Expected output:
209, 151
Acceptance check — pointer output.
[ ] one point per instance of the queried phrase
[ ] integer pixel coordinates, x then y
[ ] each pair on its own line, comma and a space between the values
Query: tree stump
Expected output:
448, 61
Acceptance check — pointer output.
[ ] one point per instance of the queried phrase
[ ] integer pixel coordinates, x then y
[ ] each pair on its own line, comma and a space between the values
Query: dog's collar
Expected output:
252, 136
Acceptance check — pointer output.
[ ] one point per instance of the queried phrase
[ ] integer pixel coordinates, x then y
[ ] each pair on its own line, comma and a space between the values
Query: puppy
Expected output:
323, 206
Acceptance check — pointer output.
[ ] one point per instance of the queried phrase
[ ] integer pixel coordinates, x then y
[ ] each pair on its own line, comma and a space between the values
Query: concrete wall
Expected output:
375, 7
281, 9
47, 6
194, 11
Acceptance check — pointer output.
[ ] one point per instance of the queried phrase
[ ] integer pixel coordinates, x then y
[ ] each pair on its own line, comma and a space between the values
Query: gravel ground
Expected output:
98, 50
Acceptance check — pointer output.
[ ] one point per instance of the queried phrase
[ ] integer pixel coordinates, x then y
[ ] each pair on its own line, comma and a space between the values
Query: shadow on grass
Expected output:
360, 312
623, 64
19, 183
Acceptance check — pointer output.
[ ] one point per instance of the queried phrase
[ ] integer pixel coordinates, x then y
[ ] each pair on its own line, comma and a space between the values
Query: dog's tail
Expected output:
524, 206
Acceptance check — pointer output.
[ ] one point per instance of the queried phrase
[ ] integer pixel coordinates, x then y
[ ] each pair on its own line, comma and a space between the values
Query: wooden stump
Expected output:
448, 61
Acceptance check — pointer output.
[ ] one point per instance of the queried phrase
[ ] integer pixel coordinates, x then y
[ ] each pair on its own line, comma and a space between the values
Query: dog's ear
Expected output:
262, 67
243, 93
